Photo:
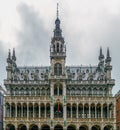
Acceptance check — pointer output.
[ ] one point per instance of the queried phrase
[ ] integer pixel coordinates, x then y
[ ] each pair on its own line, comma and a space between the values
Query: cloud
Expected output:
86, 26
33, 38
3, 57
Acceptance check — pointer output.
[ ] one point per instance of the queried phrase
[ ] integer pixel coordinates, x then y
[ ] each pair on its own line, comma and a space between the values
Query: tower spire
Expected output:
101, 56
13, 56
108, 58
9, 57
57, 30
57, 10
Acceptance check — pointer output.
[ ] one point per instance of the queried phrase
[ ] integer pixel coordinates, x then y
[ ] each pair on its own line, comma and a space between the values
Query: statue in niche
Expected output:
25, 75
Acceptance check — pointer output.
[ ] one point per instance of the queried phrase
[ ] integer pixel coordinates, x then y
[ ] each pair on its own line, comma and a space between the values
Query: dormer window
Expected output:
58, 69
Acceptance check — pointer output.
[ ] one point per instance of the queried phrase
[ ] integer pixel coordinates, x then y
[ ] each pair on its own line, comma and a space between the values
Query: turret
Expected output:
101, 56
108, 67
13, 56
101, 61
14, 66
9, 66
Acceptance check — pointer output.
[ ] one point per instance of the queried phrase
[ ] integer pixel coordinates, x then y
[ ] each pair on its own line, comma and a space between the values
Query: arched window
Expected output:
57, 47
16, 91
55, 90
58, 69
54, 48
61, 48
58, 89
32, 91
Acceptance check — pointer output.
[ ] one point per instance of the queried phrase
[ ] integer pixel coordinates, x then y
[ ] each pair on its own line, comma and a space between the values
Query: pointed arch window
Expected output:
58, 69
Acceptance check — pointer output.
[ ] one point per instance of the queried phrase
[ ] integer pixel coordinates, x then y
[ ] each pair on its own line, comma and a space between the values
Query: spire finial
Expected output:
57, 10
108, 53
9, 57
101, 56
13, 56
9, 54
108, 58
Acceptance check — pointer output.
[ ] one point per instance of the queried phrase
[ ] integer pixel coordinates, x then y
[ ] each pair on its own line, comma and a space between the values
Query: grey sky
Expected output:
86, 25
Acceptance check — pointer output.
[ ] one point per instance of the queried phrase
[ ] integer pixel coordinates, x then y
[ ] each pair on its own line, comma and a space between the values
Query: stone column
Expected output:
10, 111
107, 110
16, 127
35, 92
27, 127
89, 128
64, 89
33, 111
64, 111
51, 111
102, 127
89, 112
95, 111
114, 127
52, 90
77, 110
83, 112
101, 110
39, 111
71, 110
27, 110
21, 109
45, 110
16, 110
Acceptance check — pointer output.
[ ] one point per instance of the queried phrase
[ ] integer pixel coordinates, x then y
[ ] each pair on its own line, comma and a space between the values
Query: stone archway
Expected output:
58, 127
45, 127
95, 127
10, 127
108, 127
22, 127
84, 127
71, 127
34, 127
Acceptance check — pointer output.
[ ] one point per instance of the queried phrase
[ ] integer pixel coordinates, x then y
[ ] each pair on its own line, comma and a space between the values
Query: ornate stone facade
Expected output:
118, 110
59, 97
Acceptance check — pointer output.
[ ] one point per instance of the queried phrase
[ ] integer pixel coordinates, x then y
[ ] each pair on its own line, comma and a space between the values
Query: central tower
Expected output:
58, 74
57, 50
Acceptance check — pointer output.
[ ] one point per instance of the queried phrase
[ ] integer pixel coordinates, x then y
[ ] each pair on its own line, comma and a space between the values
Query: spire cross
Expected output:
57, 10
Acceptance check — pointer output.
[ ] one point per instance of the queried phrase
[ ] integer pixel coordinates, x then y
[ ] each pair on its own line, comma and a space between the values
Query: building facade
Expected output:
118, 110
59, 97
1, 108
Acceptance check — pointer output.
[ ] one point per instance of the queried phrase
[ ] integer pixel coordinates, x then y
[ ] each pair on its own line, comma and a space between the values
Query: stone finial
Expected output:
101, 56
